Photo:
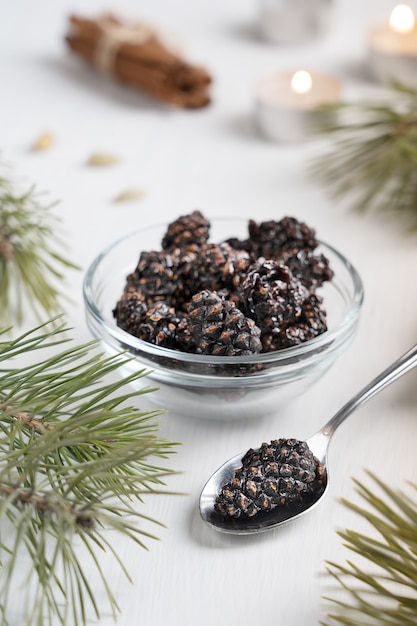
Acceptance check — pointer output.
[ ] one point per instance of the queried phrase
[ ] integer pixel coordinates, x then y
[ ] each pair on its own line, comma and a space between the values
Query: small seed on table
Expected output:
43, 142
130, 194
102, 158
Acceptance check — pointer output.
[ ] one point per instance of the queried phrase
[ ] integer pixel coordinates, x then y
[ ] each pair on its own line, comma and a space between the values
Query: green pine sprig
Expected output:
384, 591
76, 460
32, 266
372, 158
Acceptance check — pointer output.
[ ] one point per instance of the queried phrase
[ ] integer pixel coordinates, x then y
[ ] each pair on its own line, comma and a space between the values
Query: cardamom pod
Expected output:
102, 158
130, 194
43, 142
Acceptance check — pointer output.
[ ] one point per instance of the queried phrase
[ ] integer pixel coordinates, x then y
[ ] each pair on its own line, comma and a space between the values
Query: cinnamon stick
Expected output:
139, 57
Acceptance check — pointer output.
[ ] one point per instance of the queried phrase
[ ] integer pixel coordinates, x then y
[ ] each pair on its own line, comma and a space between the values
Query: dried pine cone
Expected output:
209, 266
186, 230
291, 242
130, 311
312, 270
217, 327
271, 296
282, 473
272, 239
154, 276
310, 324
160, 326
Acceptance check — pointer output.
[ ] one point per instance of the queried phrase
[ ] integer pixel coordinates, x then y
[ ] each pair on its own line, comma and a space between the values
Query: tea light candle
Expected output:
393, 47
293, 21
286, 103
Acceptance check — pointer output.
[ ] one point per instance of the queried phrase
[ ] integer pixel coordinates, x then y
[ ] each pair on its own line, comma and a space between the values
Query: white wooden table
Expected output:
214, 160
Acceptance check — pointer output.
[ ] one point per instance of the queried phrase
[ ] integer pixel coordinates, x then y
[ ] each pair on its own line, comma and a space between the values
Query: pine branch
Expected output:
387, 592
32, 270
75, 461
373, 155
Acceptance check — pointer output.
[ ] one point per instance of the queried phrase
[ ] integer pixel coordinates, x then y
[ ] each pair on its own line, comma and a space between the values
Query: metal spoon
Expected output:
318, 444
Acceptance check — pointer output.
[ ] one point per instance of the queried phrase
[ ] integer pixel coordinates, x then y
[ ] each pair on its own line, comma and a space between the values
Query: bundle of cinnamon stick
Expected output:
138, 55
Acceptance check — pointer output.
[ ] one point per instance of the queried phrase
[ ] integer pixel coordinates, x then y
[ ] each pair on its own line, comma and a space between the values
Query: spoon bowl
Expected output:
317, 443
260, 522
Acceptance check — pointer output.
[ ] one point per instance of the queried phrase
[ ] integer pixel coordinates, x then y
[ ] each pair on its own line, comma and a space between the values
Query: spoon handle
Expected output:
401, 366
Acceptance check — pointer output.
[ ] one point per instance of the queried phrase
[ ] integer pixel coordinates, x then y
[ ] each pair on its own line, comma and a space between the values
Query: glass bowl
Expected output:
221, 387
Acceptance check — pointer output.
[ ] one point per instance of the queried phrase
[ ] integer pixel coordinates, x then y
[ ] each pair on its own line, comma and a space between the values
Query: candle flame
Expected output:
301, 82
402, 19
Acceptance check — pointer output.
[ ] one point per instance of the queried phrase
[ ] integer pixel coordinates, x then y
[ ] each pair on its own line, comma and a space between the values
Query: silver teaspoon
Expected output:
318, 444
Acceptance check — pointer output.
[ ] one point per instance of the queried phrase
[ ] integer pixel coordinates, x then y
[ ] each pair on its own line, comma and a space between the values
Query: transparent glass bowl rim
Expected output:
131, 342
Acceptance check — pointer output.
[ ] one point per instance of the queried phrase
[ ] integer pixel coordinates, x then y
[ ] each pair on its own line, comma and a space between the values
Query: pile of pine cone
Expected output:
238, 297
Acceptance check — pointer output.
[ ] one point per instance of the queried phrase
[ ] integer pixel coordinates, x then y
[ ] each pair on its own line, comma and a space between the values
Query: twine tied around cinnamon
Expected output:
114, 35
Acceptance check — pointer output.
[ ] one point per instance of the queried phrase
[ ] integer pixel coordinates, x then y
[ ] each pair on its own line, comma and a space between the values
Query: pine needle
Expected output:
75, 461
386, 593
32, 270
372, 159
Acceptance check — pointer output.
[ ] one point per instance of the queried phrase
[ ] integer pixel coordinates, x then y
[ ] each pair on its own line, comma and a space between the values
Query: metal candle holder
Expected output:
393, 48
283, 115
